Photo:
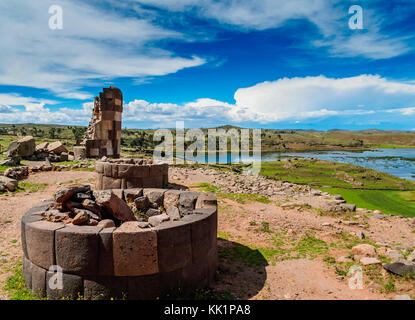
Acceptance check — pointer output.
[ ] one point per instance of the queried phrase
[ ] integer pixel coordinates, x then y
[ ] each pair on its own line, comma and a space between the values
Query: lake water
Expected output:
398, 162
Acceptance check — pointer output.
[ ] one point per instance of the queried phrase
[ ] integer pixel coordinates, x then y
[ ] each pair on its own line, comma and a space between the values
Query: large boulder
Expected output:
24, 147
57, 147
399, 268
114, 205
42, 146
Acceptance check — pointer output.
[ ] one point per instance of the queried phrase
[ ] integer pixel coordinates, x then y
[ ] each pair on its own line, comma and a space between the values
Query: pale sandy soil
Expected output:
303, 278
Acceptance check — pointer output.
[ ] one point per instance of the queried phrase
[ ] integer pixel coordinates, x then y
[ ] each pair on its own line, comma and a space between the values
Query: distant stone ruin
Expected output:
103, 136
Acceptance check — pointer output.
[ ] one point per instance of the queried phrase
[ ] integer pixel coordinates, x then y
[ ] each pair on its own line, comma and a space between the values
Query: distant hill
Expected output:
272, 139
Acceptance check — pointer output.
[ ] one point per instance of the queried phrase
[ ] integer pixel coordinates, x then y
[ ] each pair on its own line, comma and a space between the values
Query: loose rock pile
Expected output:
140, 162
17, 173
298, 195
79, 205
55, 152
26, 148
399, 265
52, 167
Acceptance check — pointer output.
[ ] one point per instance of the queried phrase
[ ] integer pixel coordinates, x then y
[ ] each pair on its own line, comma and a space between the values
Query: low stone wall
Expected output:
127, 176
125, 262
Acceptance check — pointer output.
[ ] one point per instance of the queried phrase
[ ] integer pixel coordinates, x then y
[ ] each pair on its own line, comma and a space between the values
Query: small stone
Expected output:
131, 194
155, 196
92, 222
143, 224
351, 223
360, 235
379, 216
368, 261
374, 285
364, 250
142, 203
394, 255
152, 212
326, 224
91, 205
156, 220
107, 223
80, 218
173, 213
60, 216
348, 207
411, 257
10, 184
89, 213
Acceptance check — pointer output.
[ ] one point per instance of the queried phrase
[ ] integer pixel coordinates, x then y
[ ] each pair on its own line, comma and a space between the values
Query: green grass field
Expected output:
389, 202
364, 187
321, 173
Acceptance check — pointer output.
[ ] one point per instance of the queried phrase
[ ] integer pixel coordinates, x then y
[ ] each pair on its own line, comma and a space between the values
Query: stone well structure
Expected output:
131, 173
127, 261
103, 136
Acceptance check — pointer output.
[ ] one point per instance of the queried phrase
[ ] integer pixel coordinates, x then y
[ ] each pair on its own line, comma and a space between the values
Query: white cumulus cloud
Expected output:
287, 99
291, 98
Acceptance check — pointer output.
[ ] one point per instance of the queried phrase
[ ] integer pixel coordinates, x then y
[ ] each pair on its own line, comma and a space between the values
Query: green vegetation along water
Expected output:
399, 162
367, 188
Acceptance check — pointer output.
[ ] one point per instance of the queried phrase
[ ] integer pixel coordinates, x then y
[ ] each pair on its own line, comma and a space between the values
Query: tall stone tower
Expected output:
103, 136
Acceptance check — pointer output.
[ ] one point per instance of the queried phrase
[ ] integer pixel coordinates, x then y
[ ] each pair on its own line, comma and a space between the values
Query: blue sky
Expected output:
262, 64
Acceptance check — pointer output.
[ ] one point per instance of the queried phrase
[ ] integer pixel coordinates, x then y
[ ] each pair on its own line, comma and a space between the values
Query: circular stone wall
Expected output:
131, 173
125, 262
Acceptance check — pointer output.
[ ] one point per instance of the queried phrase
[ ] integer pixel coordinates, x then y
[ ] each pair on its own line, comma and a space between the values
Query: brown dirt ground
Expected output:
14, 205
303, 278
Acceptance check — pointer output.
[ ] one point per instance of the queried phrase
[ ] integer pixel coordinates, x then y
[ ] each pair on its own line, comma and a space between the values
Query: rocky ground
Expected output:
290, 243
305, 240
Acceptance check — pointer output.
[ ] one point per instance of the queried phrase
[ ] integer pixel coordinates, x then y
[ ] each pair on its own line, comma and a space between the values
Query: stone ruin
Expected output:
130, 173
103, 136
121, 244
26, 148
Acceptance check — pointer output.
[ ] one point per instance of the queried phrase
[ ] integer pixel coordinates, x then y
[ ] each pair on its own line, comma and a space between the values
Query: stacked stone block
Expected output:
103, 136
127, 262
127, 176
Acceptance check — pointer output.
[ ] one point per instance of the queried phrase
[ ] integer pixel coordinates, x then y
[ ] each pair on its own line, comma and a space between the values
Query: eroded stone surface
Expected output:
77, 249
135, 250
40, 242
114, 205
